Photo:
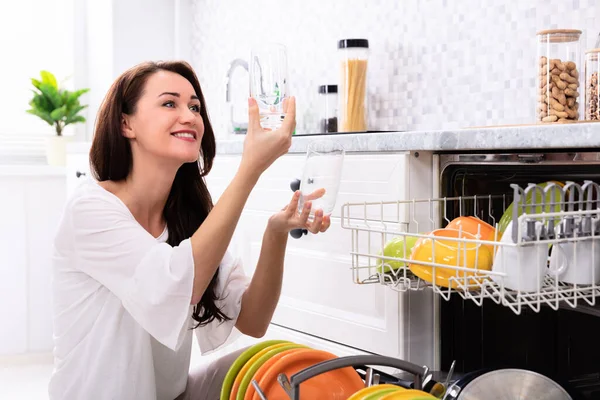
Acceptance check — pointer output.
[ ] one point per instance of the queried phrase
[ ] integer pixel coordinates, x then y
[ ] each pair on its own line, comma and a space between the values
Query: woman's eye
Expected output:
195, 108
169, 104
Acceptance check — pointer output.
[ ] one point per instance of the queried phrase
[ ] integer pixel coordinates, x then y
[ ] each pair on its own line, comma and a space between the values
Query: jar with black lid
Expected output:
353, 56
328, 106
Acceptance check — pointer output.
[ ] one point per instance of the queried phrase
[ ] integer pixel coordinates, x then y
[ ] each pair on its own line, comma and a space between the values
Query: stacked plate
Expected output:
390, 392
264, 361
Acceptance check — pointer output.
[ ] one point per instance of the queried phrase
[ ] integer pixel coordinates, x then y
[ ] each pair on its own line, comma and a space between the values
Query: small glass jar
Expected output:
592, 70
353, 55
328, 114
558, 67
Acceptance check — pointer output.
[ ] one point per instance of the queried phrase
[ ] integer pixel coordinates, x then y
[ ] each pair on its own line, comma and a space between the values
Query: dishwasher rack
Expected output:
291, 386
550, 218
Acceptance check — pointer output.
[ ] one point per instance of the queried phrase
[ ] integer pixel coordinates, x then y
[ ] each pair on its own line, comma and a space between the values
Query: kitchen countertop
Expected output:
555, 136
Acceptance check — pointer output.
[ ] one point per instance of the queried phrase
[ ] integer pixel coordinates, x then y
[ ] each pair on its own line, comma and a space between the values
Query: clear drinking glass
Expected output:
268, 82
322, 171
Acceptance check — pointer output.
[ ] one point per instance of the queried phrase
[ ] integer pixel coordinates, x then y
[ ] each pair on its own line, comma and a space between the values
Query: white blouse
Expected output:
121, 304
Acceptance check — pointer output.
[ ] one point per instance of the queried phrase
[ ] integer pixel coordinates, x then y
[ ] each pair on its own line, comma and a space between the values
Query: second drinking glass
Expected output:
322, 172
268, 82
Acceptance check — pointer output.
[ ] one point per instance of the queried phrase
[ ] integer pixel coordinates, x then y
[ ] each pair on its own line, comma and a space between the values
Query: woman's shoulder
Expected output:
93, 195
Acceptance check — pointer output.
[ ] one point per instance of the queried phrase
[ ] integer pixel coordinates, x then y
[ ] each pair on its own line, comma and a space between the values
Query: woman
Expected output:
141, 254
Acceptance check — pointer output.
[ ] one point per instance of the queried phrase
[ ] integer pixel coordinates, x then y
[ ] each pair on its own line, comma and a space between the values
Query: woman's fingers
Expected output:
315, 226
317, 194
326, 223
253, 116
305, 213
289, 122
286, 101
293, 206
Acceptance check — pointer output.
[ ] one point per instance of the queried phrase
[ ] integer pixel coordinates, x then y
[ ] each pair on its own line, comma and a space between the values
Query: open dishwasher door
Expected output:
562, 344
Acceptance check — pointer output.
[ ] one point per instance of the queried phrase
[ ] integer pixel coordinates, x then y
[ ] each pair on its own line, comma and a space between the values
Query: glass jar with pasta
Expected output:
354, 54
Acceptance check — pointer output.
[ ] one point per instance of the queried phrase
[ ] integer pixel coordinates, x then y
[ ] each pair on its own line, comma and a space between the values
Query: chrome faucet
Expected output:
238, 127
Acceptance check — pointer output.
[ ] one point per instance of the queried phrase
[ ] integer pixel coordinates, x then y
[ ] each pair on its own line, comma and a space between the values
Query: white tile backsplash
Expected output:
434, 64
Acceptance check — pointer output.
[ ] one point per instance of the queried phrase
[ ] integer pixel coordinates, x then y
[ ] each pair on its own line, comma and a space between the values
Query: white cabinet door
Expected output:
13, 267
45, 203
30, 208
77, 169
318, 295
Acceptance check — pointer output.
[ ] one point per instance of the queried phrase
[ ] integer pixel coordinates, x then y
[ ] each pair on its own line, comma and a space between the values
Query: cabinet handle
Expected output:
297, 233
295, 185
79, 174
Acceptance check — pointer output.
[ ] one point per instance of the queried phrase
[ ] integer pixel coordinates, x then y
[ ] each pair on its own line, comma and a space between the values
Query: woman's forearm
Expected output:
212, 238
261, 297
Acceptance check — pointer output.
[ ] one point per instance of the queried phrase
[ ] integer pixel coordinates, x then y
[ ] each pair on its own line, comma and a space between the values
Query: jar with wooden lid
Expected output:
592, 70
558, 66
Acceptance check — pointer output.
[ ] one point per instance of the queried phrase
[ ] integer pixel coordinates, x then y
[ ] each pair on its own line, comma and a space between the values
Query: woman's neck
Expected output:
145, 192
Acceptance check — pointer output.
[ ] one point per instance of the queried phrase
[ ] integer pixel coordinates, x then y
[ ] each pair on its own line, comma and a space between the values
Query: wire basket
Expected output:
291, 386
550, 258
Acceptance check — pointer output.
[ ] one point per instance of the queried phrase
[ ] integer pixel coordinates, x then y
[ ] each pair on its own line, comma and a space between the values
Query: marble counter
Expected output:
557, 136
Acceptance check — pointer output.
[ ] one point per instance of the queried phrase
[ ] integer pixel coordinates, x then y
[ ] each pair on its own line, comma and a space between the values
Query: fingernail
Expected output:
251, 101
297, 193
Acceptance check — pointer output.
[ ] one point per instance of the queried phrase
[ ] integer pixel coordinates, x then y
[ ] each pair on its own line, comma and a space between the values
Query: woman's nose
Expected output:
188, 116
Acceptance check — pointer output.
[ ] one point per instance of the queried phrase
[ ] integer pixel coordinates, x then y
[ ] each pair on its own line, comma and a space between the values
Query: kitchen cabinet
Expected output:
30, 208
13, 270
318, 296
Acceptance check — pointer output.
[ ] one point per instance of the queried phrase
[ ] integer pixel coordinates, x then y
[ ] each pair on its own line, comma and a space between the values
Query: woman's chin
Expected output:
186, 157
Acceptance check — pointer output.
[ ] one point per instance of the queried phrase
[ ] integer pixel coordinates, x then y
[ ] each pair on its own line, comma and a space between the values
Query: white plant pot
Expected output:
56, 147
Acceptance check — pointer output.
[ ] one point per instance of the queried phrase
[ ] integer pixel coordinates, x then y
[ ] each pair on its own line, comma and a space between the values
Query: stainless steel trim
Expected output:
436, 312
520, 158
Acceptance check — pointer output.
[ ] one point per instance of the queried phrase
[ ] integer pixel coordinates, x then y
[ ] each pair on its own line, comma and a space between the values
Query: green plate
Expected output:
240, 362
252, 370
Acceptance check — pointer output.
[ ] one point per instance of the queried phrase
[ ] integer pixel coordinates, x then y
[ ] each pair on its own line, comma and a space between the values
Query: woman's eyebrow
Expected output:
175, 94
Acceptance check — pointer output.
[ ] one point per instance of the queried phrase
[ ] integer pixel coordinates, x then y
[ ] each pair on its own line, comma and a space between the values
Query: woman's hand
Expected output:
289, 218
262, 147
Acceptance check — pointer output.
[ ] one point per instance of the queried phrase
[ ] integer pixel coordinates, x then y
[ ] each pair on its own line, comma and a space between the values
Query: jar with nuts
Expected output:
559, 59
592, 69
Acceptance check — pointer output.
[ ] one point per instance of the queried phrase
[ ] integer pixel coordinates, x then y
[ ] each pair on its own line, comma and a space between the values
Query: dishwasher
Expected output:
480, 323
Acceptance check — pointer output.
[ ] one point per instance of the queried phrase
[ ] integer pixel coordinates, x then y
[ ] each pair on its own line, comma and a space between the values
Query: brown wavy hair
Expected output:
189, 200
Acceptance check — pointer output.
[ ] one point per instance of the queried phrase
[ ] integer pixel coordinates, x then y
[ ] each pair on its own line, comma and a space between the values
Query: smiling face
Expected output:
166, 125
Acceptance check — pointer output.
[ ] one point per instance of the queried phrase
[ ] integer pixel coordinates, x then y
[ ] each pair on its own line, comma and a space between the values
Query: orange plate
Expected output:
338, 384
238, 379
265, 367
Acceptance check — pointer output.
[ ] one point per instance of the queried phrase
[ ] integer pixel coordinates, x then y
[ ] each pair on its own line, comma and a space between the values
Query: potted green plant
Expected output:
59, 107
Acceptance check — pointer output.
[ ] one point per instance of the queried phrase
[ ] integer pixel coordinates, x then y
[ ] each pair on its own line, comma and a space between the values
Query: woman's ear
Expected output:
126, 129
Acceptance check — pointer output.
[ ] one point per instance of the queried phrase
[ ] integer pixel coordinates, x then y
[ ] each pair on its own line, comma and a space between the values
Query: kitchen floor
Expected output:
27, 377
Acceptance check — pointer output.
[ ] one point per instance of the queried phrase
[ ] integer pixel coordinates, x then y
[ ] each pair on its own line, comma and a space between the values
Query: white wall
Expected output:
108, 37
435, 64
34, 35
143, 30
121, 34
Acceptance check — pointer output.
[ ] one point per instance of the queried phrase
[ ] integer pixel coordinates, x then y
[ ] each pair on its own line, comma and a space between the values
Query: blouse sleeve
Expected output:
153, 280
231, 285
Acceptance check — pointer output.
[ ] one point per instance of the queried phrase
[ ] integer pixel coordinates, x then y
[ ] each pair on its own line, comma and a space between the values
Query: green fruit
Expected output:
395, 248
508, 213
